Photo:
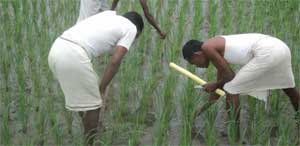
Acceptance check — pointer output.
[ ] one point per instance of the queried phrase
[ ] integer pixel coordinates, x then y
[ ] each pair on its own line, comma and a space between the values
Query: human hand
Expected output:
162, 35
103, 93
210, 87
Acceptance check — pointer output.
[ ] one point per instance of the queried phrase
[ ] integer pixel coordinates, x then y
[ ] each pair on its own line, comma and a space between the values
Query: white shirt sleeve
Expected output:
128, 37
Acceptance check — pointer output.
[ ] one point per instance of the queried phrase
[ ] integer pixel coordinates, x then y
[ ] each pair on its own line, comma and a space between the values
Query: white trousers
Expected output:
72, 67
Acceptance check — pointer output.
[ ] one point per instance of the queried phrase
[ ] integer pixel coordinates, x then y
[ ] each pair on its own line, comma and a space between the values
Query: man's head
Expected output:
136, 19
193, 53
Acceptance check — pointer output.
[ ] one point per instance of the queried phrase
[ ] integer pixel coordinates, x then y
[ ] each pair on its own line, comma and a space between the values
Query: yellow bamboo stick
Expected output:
193, 77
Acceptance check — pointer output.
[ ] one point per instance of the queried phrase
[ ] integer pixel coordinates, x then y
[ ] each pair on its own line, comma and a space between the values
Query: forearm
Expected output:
109, 73
148, 16
152, 21
226, 77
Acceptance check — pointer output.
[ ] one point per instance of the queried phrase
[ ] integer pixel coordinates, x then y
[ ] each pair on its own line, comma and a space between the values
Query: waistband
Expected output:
89, 54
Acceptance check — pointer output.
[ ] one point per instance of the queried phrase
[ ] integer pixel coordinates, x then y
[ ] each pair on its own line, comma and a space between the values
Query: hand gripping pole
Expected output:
193, 77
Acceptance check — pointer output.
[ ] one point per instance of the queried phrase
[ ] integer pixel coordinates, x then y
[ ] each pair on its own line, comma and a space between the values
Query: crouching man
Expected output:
266, 63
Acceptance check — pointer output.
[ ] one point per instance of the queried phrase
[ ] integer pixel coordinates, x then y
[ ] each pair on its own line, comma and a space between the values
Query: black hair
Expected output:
136, 19
190, 48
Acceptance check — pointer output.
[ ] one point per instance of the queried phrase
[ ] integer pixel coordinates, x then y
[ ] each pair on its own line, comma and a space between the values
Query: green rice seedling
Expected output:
6, 59
28, 28
19, 58
197, 20
6, 55
143, 109
168, 19
285, 132
275, 109
57, 131
210, 134
108, 136
167, 92
259, 15
164, 117
259, 128
212, 18
40, 125
227, 17
5, 129
188, 101
151, 53
180, 28
232, 126
53, 119
244, 13
135, 136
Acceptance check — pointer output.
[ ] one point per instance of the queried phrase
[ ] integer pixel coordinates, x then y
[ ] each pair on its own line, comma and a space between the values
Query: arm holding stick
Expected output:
193, 77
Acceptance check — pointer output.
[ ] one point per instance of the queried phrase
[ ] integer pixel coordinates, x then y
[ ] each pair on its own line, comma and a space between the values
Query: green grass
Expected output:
32, 108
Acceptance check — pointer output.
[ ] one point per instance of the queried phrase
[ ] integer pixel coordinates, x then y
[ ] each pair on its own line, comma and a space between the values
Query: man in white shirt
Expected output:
70, 61
91, 7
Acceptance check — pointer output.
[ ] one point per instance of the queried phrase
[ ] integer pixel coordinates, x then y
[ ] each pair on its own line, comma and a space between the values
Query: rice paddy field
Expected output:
149, 104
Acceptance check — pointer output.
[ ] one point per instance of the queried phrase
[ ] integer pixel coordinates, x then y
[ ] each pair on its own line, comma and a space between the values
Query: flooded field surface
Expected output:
149, 104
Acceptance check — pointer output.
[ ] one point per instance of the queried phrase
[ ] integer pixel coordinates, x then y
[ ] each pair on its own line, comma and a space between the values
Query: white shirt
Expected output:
238, 48
91, 7
100, 33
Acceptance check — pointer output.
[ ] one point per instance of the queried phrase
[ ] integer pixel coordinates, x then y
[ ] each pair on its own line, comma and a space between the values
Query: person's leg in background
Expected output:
294, 96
